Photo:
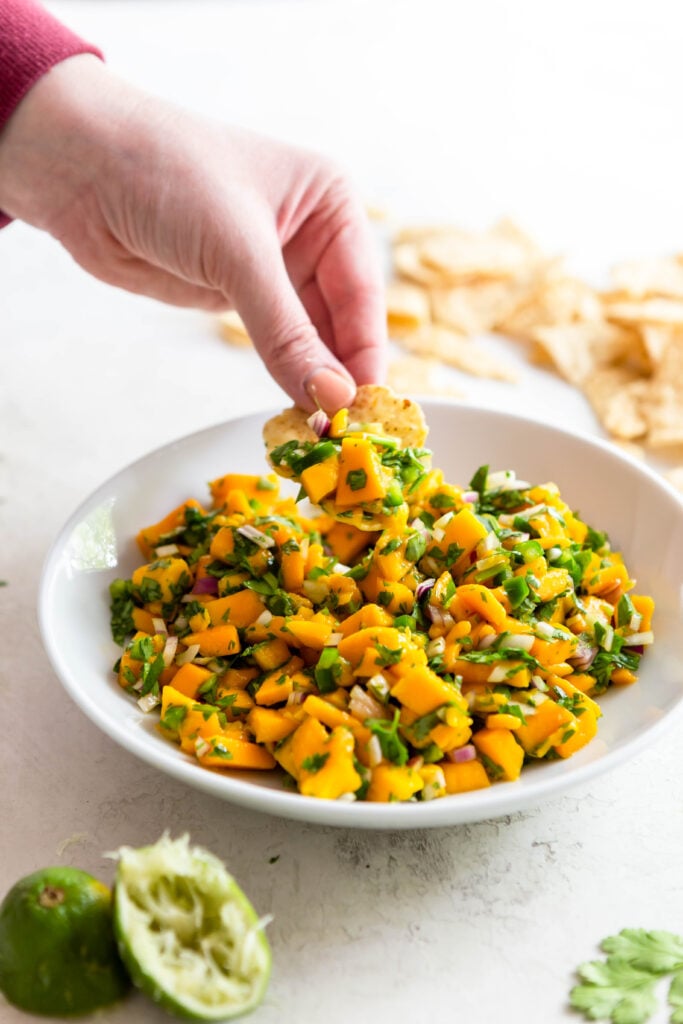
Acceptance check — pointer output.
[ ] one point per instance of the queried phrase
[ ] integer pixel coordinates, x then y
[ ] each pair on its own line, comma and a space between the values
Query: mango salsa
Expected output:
406, 639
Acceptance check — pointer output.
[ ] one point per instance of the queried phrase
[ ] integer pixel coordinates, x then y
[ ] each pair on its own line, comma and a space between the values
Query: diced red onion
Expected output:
521, 641
341, 568
498, 673
421, 528
487, 545
471, 497
584, 655
374, 750
435, 614
362, 705
148, 702
205, 585
188, 656
257, 536
264, 618
296, 697
159, 626
462, 754
443, 520
545, 630
487, 641
416, 762
438, 535
436, 647
379, 686
333, 640
201, 746
347, 798
424, 588
319, 423
169, 650
166, 550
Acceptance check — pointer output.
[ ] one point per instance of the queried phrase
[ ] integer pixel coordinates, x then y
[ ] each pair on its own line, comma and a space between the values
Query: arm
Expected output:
31, 42
159, 201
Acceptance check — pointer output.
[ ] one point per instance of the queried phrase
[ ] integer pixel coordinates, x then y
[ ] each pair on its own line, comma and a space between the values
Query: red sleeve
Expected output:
31, 42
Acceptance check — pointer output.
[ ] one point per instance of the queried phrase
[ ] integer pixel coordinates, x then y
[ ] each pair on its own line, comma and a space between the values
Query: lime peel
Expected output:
188, 935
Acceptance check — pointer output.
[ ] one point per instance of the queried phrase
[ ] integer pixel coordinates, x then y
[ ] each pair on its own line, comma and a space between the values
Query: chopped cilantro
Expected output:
393, 747
314, 762
357, 479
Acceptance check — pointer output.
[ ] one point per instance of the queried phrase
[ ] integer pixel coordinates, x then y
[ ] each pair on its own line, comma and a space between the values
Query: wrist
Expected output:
47, 156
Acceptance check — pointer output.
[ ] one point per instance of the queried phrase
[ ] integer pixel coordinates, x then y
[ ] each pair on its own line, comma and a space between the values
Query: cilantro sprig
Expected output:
622, 987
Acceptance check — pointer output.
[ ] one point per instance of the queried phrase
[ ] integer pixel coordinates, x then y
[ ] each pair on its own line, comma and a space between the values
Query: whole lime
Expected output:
57, 949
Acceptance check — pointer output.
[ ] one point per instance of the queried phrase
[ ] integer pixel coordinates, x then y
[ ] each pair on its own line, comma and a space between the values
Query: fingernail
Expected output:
329, 389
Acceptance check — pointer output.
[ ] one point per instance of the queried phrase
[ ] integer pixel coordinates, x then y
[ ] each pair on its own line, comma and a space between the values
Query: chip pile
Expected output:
623, 348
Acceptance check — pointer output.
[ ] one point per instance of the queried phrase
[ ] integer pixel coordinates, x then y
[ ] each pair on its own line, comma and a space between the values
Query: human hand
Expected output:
164, 203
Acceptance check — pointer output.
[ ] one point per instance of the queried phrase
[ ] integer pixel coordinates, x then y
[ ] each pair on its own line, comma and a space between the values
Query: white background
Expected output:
564, 116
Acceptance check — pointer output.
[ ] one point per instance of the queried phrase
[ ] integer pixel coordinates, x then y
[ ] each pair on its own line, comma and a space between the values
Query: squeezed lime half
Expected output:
188, 935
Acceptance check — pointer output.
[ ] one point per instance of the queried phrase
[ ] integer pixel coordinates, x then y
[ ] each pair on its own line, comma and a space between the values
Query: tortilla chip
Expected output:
412, 233
232, 329
408, 265
412, 374
557, 298
645, 311
289, 425
655, 339
664, 412
654, 277
617, 395
407, 308
455, 350
577, 349
399, 417
489, 256
630, 448
476, 307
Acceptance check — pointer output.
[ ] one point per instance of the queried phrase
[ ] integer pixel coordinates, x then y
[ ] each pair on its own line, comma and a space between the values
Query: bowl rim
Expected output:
452, 810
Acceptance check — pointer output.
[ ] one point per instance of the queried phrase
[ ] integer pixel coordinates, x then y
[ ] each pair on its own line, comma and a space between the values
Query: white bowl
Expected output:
641, 513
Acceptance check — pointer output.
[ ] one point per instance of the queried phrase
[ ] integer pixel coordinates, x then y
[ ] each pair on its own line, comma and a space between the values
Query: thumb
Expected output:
285, 338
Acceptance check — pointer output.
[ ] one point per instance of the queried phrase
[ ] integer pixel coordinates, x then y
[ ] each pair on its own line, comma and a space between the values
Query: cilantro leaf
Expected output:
314, 762
615, 991
393, 747
622, 987
657, 952
676, 998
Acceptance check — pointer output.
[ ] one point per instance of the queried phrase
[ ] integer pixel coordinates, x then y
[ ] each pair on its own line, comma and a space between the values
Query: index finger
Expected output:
350, 281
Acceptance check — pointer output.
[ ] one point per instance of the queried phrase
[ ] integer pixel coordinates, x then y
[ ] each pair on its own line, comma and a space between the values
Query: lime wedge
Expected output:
188, 935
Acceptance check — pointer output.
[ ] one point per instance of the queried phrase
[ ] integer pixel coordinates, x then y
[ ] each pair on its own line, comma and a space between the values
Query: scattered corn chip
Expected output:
641, 278
407, 307
232, 328
577, 349
414, 375
454, 349
617, 394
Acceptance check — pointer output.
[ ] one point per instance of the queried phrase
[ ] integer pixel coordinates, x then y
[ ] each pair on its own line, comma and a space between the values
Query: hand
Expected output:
161, 202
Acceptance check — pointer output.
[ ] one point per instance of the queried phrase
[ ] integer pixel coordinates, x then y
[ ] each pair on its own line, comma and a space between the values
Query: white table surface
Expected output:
570, 122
